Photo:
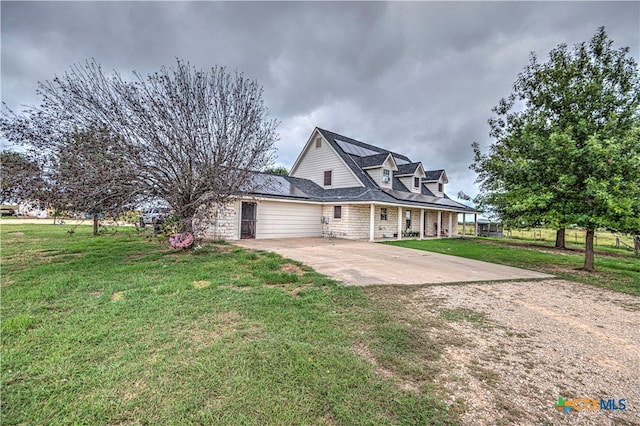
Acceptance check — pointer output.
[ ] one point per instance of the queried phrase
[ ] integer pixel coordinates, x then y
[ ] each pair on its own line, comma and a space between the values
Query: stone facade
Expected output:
217, 221
355, 221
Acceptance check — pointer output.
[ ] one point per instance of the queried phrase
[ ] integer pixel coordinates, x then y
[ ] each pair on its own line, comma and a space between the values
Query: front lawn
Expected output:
119, 329
617, 272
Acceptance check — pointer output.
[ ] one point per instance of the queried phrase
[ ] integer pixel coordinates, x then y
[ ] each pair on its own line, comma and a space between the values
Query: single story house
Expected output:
340, 187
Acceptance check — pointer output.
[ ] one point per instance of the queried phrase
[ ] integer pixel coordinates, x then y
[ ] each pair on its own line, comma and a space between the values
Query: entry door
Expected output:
248, 220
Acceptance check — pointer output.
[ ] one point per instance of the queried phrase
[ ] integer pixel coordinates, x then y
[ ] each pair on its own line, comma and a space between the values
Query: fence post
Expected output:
636, 244
617, 242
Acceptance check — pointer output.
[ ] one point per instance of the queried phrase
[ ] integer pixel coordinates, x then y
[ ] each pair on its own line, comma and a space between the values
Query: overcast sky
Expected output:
418, 78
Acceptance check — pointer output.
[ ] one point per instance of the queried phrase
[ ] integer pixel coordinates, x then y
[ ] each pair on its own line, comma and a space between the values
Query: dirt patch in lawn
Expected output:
208, 330
117, 296
201, 284
510, 349
292, 269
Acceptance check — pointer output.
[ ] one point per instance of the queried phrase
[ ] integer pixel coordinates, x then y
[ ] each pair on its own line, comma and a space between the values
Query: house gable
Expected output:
411, 176
382, 172
435, 181
320, 163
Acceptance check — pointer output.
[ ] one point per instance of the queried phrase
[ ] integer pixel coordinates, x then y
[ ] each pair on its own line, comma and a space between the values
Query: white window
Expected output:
386, 175
383, 213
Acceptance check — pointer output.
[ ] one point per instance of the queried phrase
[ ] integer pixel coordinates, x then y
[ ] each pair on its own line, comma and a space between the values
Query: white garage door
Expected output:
287, 220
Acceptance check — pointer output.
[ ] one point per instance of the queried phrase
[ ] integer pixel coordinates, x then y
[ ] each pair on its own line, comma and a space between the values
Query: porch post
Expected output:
439, 227
464, 225
399, 223
421, 224
450, 224
475, 224
372, 221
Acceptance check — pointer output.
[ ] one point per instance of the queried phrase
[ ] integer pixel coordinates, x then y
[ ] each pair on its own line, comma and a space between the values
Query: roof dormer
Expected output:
435, 181
380, 168
411, 176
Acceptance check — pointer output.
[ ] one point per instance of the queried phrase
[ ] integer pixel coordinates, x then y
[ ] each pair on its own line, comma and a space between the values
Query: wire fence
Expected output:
572, 236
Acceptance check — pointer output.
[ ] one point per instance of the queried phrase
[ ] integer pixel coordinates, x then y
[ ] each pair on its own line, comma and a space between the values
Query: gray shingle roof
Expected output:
407, 169
433, 175
278, 187
371, 160
333, 137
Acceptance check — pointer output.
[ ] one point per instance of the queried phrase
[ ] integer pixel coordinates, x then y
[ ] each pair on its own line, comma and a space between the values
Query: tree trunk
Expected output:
588, 251
560, 238
95, 223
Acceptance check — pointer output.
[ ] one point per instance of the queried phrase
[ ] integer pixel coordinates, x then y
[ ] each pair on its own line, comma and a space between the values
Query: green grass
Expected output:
121, 329
573, 237
477, 319
620, 273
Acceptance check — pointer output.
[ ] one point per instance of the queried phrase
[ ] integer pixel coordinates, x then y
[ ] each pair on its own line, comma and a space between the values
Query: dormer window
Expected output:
440, 187
386, 175
416, 182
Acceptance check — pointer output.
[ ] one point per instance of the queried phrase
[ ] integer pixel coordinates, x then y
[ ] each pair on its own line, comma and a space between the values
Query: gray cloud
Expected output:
417, 78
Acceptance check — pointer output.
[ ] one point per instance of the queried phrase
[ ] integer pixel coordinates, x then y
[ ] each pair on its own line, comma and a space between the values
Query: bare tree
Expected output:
20, 178
90, 176
194, 137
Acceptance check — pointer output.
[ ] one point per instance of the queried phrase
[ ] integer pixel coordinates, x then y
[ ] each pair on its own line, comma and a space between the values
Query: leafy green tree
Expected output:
567, 147
88, 175
278, 170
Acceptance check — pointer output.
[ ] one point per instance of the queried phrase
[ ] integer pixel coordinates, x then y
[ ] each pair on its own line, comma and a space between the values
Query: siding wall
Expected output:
433, 187
314, 161
408, 182
376, 175
284, 220
274, 220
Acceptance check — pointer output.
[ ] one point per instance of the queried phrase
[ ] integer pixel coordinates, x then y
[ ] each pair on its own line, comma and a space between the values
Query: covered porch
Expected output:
412, 222
384, 221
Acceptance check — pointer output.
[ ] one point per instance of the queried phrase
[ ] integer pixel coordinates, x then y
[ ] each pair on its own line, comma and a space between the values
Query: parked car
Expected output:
154, 216
8, 210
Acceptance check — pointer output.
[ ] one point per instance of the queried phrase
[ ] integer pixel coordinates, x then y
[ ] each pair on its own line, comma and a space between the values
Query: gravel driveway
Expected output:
514, 347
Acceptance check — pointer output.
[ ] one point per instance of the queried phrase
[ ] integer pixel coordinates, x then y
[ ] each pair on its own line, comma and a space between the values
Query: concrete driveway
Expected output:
365, 263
